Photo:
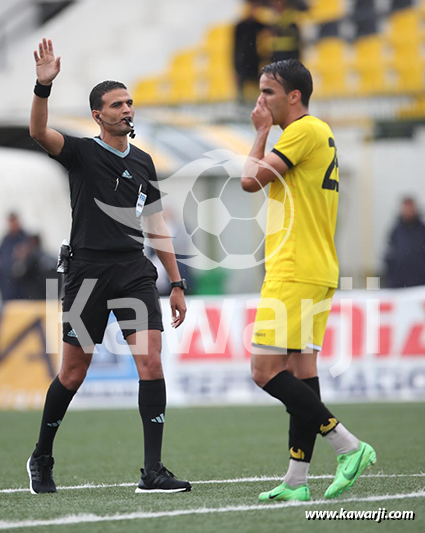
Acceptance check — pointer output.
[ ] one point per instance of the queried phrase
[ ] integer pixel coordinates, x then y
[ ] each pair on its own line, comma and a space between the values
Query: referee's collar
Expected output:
111, 149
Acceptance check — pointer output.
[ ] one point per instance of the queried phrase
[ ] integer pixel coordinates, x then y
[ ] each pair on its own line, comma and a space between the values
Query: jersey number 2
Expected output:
329, 183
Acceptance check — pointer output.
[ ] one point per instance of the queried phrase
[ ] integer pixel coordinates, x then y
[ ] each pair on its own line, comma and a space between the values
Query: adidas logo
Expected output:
159, 419
54, 424
126, 174
72, 334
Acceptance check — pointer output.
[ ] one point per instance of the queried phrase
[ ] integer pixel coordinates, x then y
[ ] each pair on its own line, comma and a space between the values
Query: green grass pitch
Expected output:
207, 444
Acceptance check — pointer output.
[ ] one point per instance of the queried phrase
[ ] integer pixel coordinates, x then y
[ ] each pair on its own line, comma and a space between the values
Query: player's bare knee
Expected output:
259, 376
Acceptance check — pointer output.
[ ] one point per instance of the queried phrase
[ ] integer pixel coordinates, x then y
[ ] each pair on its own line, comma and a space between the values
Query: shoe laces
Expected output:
158, 472
42, 470
164, 472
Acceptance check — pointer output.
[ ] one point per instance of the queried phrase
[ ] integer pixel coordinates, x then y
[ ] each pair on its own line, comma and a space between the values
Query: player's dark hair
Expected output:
102, 88
291, 74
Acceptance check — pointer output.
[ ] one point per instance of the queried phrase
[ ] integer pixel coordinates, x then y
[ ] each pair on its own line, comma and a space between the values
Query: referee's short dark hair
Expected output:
102, 88
292, 74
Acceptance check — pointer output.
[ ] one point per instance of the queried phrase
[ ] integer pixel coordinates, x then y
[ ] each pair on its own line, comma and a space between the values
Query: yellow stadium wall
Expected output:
26, 370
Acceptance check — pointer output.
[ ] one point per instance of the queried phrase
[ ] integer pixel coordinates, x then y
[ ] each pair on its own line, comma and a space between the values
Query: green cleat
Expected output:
350, 467
285, 493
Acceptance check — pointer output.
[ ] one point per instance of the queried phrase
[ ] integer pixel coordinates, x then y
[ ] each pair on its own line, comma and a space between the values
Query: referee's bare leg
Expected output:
72, 373
74, 366
75, 363
146, 349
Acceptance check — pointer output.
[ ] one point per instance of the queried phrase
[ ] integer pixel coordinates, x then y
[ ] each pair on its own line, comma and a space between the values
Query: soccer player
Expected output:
109, 170
284, 362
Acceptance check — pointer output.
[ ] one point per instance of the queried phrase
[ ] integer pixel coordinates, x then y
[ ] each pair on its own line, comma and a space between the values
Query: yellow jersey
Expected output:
310, 201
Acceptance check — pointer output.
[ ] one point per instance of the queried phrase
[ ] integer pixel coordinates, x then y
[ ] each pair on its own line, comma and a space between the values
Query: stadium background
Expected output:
368, 63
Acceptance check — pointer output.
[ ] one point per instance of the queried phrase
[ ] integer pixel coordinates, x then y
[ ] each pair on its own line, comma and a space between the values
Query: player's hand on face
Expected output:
261, 116
46, 65
178, 307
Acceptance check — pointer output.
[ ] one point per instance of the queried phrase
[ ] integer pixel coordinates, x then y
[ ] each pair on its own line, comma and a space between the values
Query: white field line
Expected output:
91, 518
208, 482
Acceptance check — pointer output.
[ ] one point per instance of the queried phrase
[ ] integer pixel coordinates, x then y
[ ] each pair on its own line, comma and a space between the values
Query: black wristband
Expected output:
42, 91
182, 284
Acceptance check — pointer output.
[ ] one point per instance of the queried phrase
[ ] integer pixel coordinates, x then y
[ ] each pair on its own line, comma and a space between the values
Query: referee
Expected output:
108, 171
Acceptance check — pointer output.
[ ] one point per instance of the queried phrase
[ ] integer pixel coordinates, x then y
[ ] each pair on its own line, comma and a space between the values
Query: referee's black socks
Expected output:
58, 399
152, 402
301, 401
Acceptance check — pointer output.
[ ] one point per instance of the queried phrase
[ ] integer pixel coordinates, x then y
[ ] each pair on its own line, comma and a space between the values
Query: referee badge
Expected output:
141, 199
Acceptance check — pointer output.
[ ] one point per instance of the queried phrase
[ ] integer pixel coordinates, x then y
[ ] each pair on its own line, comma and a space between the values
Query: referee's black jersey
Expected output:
101, 180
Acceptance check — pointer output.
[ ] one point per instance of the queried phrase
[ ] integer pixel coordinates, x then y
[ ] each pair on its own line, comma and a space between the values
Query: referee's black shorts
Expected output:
118, 275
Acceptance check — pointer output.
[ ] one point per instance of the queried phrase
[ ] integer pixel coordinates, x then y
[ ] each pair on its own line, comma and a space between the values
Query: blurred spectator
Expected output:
405, 257
11, 288
246, 59
31, 267
268, 32
300, 5
285, 41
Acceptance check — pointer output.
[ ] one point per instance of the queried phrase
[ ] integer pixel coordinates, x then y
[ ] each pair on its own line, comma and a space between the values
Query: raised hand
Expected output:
261, 116
47, 66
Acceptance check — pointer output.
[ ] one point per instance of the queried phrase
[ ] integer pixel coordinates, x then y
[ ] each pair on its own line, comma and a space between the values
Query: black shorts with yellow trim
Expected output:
292, 316
117, 276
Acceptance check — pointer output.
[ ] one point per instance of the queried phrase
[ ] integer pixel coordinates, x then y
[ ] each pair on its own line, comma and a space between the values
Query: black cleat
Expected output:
40, 472
159, 479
